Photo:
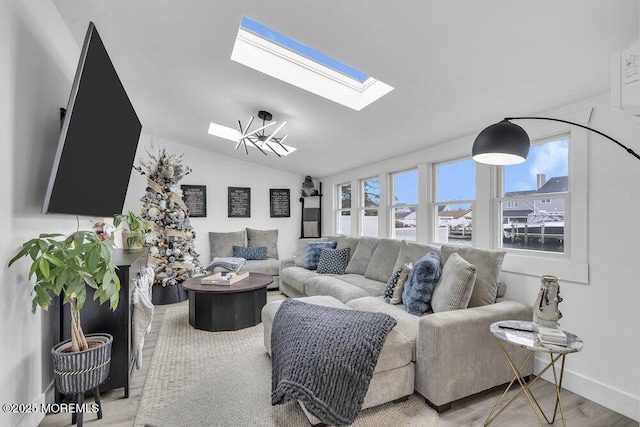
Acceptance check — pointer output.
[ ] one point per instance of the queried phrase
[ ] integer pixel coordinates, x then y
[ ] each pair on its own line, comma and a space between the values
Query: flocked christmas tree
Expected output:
170, 240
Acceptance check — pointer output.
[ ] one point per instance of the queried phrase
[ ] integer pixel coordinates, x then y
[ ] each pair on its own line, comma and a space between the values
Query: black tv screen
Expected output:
98, 142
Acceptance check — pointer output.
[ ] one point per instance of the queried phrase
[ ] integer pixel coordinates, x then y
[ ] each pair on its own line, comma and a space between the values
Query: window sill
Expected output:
530, 265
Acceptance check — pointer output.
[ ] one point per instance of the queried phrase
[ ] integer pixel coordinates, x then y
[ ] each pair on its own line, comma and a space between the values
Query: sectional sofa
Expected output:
453, 351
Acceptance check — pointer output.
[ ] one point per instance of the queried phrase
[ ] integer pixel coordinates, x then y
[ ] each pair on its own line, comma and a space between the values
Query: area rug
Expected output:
199, 378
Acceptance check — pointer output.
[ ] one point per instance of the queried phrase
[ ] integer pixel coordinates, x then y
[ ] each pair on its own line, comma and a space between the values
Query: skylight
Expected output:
270, 52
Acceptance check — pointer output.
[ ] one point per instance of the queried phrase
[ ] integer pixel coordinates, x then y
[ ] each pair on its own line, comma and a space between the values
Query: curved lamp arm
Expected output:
627, 149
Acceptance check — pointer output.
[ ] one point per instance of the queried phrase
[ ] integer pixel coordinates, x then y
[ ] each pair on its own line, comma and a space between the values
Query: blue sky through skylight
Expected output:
301, 49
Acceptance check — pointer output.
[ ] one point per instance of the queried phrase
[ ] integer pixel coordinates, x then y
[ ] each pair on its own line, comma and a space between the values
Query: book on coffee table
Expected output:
227, 279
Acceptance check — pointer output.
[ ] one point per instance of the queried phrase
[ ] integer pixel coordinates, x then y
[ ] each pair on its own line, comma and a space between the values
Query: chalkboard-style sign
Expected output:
280, 206
195, 197
239, 201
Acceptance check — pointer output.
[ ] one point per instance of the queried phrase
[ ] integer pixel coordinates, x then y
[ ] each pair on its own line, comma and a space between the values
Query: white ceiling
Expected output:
456, 66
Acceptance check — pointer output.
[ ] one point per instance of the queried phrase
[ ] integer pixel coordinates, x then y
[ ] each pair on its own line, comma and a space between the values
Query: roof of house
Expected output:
454, 214
556, 184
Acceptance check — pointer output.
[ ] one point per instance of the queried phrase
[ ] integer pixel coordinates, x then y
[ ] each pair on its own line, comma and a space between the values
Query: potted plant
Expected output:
134, 236
66, 265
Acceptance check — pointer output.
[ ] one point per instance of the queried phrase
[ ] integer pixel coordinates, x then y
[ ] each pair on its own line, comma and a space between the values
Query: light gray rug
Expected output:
199, 378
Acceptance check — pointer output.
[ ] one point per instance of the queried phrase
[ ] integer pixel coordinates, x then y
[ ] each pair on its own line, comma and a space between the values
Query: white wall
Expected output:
604, 311
218, 173
39, 58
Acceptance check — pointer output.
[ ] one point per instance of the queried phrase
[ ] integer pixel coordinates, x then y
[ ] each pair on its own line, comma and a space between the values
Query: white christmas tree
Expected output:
170, 239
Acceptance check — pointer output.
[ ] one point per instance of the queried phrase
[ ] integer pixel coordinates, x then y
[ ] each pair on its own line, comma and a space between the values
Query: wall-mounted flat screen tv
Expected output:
98, 141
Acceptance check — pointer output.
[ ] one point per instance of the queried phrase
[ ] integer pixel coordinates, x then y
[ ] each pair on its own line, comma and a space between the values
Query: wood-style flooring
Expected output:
472, 411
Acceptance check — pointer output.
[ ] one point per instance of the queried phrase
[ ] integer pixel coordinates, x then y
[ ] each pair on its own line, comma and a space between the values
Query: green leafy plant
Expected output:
69, 264
136, 225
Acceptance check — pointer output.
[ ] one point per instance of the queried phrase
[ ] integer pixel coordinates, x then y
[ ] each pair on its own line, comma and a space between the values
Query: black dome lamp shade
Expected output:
506, 143
503, 143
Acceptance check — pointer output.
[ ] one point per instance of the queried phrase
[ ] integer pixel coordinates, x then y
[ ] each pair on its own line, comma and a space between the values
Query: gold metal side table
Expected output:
518, 333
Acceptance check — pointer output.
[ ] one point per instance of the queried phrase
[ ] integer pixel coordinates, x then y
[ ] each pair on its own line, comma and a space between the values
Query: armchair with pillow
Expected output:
258, 249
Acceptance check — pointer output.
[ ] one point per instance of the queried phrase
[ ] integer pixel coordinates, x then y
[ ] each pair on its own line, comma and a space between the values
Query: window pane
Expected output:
344, 222
456, 181
538, 227
371, 189
455, 224
405, 188
345, 196
370, 222
545, 170
404, 223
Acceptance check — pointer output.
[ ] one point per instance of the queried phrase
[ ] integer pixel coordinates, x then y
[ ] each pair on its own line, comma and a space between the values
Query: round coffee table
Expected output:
227, 307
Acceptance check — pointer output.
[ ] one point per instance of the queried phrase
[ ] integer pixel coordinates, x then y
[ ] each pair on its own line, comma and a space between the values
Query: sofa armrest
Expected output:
286, 263
457, 356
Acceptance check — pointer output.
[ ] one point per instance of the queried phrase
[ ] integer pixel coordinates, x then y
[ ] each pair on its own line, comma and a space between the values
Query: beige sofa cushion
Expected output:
488, 265
221, 244
333, 286
410, 252
296, 277
453, 290
348, 242
266, 238
362, 255
383, 260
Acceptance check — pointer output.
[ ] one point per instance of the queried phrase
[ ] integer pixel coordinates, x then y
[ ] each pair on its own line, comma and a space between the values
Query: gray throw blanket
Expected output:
325, 357
229, 263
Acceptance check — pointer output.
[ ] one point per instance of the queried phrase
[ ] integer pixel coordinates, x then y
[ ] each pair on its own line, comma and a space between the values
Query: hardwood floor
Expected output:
579, 411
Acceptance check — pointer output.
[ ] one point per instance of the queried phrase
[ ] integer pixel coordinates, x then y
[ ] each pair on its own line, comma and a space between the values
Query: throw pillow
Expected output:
453, 290
301, 249
380, 267
396, 298
419, 287
259, 253
362, 255
266, 238
391, 285
221, 244
333, 261
312, 255
488, 265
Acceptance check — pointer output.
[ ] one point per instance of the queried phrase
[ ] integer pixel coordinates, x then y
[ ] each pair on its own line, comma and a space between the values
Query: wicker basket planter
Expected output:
85, 370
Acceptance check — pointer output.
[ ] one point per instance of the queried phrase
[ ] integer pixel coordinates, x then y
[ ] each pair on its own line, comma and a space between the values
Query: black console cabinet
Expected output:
100, 318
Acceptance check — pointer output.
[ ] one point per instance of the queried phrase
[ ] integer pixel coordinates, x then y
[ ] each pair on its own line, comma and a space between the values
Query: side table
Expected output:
519, 333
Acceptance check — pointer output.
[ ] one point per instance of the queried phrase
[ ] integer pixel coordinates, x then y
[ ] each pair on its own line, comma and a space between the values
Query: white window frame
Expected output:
361, 207
435, 203
393, 206
572, 266
565, 196
340, 209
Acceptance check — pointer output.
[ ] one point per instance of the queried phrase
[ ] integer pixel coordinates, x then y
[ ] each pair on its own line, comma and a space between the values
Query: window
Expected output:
343, 219
455, 195
369, 211
540, 186
404, 204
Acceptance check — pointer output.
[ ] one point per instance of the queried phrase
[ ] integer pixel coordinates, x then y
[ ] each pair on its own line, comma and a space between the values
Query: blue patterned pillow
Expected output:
333, 261
312, 255
253, 252
391, 285
419, 286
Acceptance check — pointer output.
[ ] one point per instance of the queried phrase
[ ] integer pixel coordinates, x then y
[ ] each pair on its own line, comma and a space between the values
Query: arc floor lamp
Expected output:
506, 143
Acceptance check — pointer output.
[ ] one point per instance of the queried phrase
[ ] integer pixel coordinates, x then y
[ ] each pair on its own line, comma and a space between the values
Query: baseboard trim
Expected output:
35, 418
602, 394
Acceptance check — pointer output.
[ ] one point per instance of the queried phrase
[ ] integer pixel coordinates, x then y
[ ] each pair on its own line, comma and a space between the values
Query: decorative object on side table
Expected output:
64, 266
134, 236
546, 313
170, 239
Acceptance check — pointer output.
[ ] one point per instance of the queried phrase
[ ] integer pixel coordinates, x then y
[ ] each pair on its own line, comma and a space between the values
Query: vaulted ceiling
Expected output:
456, 67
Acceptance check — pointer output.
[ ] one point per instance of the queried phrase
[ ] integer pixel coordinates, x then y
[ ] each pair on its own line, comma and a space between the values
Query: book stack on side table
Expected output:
550, 336
224, 279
